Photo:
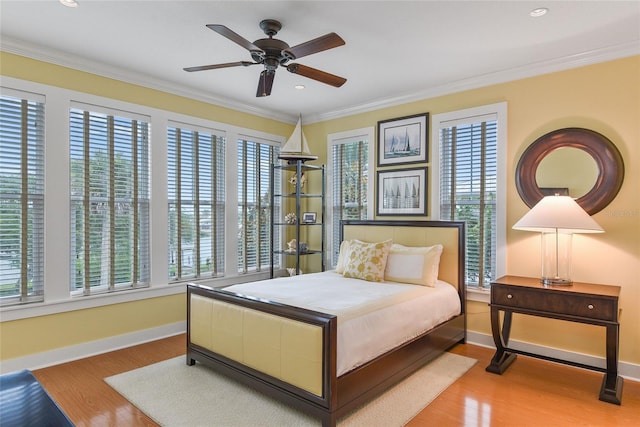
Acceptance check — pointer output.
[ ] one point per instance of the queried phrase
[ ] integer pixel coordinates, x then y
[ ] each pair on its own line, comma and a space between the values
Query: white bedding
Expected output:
373, 317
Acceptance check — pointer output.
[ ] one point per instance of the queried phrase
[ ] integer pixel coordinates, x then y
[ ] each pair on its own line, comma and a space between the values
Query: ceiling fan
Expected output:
273, 52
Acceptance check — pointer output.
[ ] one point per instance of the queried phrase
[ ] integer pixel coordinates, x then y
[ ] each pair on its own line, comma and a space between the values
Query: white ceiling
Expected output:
396, 51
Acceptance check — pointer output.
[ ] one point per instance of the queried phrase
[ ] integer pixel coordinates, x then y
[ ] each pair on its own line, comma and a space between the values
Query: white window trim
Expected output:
499, 109
57, 296
367, 134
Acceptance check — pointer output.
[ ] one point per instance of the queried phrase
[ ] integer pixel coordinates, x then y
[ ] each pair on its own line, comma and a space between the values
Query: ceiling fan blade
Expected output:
265, 83
234, 37
215, 66
328, 41
312, 73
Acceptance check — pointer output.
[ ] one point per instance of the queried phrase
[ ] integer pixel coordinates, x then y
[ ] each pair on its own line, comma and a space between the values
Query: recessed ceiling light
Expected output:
69, 3
299, 87
538, 12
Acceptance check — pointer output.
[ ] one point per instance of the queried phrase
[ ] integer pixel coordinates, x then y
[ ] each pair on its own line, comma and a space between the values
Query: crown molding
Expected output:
63, 59
530, 70
507, 75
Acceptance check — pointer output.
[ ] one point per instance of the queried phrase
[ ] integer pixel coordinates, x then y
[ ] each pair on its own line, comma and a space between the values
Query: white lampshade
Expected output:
558, 213
557, 218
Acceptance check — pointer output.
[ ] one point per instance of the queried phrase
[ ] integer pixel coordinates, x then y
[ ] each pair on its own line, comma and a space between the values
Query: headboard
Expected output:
450, 234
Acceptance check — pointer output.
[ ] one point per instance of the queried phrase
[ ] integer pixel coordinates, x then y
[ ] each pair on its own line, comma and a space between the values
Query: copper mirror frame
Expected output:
604, 152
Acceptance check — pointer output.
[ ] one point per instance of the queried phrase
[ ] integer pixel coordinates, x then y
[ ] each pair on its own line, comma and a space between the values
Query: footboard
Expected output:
287, 347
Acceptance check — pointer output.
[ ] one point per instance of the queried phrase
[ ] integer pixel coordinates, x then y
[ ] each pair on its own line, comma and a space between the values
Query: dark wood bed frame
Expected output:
341, 394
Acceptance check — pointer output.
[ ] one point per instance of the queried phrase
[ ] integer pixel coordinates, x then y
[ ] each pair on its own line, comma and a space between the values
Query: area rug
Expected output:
174, 394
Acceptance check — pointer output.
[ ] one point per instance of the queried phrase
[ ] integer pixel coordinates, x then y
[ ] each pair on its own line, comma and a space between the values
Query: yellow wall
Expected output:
28, 69
44, 333
603, 97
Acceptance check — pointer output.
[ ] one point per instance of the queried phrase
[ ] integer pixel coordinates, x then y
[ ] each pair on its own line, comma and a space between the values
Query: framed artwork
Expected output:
403, 140
309, 218
402, 192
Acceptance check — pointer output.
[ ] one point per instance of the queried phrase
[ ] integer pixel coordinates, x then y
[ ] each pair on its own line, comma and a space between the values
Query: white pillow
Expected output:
367, 261
342, 256
417, 265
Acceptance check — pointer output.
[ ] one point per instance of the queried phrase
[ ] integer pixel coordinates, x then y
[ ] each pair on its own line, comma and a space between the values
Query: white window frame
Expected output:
366, 134
37, 248
263, 270
196, 197
439, 121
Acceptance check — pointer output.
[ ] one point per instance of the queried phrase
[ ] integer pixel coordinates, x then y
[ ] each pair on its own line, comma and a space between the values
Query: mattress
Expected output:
373, 317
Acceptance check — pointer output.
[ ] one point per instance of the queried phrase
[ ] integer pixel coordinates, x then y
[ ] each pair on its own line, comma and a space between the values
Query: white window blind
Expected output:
196, 195
21, 200
468, 190
349, 182
109, 168
254, 210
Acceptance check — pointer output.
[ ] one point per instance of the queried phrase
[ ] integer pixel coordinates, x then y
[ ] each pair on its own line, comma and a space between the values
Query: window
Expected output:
196, 203
21, 199
471, 147
351, 196
109, 200
254, 210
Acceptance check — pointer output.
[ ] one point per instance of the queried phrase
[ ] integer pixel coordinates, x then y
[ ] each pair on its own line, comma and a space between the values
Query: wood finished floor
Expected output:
531, 393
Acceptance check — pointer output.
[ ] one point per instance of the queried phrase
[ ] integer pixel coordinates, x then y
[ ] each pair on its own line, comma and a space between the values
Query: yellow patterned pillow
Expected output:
367, 261
417, 265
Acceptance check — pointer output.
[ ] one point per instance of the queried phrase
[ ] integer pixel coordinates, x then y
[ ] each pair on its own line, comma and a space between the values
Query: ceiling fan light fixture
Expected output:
69, 3
538, 12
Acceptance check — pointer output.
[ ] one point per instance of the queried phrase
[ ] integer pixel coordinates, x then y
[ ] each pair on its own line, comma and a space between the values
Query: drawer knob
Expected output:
590, 306
509, 296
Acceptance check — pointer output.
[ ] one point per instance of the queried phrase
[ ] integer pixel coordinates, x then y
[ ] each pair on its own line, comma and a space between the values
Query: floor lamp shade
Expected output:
557, 218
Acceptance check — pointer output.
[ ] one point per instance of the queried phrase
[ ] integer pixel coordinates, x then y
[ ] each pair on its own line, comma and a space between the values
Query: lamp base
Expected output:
556, 281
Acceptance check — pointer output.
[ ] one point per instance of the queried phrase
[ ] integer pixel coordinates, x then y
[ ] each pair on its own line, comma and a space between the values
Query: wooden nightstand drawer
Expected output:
561, 302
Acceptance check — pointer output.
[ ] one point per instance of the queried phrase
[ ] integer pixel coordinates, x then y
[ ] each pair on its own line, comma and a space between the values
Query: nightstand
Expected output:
580, 302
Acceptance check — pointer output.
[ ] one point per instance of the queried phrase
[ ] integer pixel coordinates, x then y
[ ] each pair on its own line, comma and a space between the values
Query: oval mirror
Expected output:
557, 176
567, 171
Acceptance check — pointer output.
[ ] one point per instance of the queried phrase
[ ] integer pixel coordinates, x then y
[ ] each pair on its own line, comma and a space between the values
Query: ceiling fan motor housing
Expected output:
272, 52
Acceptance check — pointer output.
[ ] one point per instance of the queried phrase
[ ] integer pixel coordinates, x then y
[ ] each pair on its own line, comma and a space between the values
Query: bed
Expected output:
299, 352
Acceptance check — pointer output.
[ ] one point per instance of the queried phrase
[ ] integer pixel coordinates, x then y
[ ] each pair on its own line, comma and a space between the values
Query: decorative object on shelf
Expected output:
557, 218
303, 180
296, 147
292, 246
403, 140
302, 247
402, 192
290, 218
309, 218
292, 271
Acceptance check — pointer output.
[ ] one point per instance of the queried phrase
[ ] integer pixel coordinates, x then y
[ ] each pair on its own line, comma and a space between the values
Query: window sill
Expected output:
480, 295
25, 311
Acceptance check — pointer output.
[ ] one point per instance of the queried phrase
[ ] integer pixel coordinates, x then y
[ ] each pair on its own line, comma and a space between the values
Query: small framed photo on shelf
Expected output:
403, 140
402, 192
309, 218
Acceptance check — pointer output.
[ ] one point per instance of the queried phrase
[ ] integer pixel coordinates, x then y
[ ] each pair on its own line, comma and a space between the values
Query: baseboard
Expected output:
92, 348
627, 370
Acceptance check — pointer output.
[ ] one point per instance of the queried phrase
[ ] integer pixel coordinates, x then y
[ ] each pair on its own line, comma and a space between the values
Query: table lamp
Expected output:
557, 218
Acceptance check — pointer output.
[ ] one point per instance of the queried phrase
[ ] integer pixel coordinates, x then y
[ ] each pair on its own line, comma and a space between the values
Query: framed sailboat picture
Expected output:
402, 192
403, 140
